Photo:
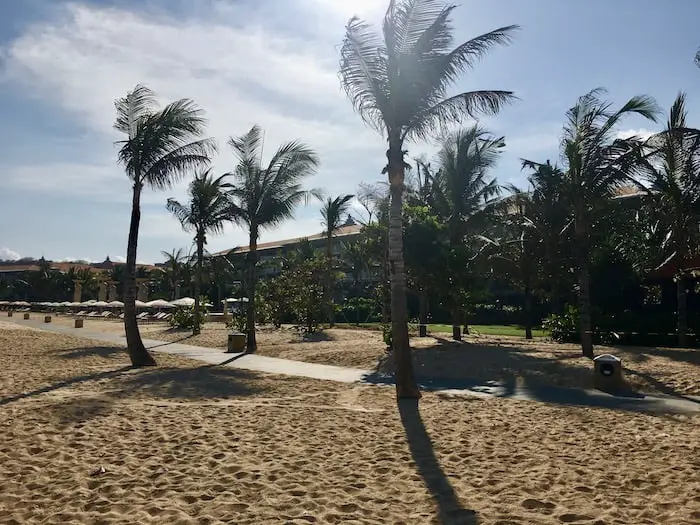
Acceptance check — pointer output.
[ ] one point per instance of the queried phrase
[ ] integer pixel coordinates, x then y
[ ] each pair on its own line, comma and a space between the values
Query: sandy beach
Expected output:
88, 440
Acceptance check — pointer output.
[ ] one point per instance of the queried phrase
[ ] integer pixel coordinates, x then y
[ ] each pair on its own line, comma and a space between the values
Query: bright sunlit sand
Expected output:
87, 440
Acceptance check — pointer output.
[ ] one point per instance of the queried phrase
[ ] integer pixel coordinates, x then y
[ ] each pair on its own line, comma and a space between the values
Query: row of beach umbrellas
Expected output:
157, 303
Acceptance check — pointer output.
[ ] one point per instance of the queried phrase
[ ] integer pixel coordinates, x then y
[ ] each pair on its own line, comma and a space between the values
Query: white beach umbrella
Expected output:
184, 301
115, 304
159, 303
100, 304
22, 303
74, 304
141, 304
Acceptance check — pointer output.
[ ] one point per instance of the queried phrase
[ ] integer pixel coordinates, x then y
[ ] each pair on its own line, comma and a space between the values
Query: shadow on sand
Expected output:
450, 511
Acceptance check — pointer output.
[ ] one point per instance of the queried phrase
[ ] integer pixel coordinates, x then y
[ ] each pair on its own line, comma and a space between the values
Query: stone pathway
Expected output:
656, 404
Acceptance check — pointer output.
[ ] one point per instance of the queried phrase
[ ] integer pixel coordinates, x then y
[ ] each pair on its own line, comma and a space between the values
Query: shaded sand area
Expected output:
480, 359
85, 439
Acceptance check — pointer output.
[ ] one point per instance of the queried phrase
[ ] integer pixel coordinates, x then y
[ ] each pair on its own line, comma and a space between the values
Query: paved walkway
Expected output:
656, 404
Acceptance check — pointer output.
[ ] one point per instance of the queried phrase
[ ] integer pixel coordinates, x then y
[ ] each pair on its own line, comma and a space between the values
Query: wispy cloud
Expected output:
8, 255
641, 133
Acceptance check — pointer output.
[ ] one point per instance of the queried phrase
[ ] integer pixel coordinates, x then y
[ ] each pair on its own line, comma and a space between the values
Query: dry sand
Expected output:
86, 440
480, 358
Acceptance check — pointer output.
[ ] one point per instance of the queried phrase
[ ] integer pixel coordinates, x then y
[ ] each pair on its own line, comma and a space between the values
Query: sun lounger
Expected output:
93, 314
81, 313
106, 315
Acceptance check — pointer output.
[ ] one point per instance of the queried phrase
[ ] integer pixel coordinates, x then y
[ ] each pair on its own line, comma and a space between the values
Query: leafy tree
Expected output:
174, 262
464, 196
263, 197
159, 148
596, 166
673, 171
206, 213
332, 212
398, 82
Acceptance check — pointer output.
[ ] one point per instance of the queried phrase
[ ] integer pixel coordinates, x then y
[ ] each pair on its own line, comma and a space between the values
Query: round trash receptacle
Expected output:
607, 370
26, 316
78, 323
236, 343
47, 319
9, 313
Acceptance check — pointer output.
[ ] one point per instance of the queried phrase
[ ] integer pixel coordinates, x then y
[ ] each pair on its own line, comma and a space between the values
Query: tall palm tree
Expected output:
263, 197
673, 171
596, 166
398, 82
206, 213
160, 147
332, 213
174, 262
464, 195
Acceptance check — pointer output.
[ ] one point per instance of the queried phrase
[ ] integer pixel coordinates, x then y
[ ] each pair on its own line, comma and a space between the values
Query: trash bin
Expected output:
236, 343
607, 370
26, 315
78, 323
47, 318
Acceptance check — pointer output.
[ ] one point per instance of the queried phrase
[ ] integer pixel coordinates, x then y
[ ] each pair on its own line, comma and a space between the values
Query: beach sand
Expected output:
85, 439
480, 358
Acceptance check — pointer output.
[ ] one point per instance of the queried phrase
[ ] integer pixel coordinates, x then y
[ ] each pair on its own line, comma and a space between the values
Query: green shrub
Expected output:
387, 335
183, 316
238, 321
563, 327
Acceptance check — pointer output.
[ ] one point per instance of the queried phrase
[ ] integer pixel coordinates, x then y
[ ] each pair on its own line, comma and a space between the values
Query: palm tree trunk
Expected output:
682, 298
456, 323
137, 351
251, 344
329, 281
196, 329
527, 310
584, 284
406, 386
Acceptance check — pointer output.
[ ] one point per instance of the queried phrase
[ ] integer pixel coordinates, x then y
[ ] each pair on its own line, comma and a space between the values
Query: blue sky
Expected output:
274, 63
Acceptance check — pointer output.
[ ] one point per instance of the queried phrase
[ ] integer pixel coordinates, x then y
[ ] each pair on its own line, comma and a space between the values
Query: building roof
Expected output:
344, 231
65, 266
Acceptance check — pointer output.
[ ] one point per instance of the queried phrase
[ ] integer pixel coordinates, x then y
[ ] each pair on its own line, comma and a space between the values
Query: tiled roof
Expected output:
343, 231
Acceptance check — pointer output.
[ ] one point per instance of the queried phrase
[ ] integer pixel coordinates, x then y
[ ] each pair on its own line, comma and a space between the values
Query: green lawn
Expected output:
484, 329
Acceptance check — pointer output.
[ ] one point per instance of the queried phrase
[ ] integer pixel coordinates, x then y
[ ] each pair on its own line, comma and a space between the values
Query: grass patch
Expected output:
483, 329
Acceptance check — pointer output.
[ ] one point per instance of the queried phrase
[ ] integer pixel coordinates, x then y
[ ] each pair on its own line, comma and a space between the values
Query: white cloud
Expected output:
8, 255
241, 75
641, 133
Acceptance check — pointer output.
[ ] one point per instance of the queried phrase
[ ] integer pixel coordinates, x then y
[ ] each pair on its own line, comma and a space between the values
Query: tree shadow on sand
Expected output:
450, 511
98, 351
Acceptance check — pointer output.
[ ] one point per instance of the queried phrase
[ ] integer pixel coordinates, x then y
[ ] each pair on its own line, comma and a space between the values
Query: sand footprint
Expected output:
573, 518
536, 504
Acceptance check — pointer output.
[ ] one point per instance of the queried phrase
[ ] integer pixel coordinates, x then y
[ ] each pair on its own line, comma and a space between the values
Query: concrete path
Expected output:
634, 402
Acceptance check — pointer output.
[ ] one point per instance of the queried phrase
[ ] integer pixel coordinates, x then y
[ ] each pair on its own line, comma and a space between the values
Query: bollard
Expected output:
78, 323
607, 370
47, 318
422, 330
26, 315
236, 343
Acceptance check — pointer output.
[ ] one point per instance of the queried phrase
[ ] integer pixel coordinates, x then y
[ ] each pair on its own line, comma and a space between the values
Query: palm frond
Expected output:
456, 109
363, 72
131, 109
181, 213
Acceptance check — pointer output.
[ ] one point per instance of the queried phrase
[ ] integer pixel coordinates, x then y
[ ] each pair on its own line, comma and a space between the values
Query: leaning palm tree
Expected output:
160, 147
263, 197
673, 172
332, 213
206, 213
398, 82
464, 195
596, 166
173, 264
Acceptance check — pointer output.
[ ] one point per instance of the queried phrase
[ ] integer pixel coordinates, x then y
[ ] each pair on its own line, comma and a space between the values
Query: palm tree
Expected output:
673, 171
596, 166
398, 83
208, 210
174, 262
265, 197
464, 197
161, 146
332, 213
